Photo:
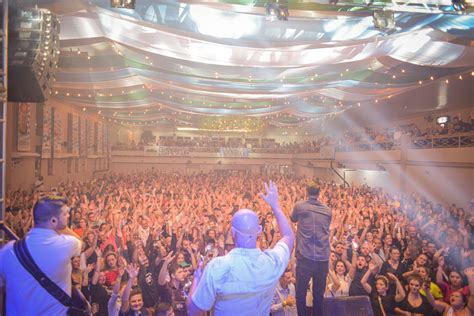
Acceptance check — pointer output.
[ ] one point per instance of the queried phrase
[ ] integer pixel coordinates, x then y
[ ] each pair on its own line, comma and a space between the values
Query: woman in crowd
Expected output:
393, 264
383, 303
459, 304
339, 280
455, 281
414, 303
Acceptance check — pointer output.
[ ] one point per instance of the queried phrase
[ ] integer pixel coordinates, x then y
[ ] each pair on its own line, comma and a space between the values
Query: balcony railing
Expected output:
364, 146
444, 141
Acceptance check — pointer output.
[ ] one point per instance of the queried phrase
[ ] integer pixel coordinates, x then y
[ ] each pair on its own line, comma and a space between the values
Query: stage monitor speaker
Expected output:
350, 306
33, 54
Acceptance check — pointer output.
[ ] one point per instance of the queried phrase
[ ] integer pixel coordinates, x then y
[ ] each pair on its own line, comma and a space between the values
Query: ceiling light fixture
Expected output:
383, 19
274, 10
123, 4
459, 5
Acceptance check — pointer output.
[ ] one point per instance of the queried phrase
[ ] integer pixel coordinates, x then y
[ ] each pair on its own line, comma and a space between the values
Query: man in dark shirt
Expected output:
356, 273
312, 248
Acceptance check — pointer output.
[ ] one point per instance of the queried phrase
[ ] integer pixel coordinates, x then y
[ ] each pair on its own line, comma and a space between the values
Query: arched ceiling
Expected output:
184, 62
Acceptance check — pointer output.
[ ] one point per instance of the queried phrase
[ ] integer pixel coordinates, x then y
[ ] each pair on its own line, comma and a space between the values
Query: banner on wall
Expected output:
82, 137
106, 140
58, 133
99, 139
95, 136
90, 137
46, 139
75, 134
24, 132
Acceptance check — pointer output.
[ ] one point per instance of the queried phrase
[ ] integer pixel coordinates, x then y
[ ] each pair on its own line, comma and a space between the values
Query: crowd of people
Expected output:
144, 235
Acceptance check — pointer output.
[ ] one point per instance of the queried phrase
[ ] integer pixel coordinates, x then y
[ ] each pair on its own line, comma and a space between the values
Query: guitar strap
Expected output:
24, 256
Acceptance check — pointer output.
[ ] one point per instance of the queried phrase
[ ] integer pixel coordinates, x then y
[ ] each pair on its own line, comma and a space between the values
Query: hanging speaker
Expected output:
33, 54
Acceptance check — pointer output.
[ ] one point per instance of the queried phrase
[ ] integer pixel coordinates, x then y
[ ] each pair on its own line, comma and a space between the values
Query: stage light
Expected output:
442, 120
123, 4
272, 10
275, 11
283, 14
383, 19
459, 5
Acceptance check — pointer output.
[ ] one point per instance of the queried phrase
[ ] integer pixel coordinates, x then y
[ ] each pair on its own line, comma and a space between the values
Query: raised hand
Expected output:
271, 196
98, 252
132, 270
392, 276
441, 262
469, 272
373, 267
169, 257
89, 268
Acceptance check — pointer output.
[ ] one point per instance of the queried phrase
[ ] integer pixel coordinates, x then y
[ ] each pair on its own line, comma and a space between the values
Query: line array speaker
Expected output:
33, 54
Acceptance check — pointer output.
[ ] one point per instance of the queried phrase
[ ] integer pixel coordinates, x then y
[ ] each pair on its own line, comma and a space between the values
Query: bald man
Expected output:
243, 281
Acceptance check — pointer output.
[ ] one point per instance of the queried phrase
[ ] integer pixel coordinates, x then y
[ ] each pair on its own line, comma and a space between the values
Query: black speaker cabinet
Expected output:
33, 53
350, 306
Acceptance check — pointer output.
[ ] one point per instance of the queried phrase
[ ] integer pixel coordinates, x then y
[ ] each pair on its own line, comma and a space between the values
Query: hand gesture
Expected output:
272, 195
373, 267
121, 271
441, 262
89, 268
290, 300
132, 270
392, 276
370, 247
199, 271
169, 257
469, 272
427, 285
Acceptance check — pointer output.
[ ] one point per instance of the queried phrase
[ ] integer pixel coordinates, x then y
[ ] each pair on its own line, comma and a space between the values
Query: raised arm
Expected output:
400, 292
469, 272
164, 268
353, 267
132, 270
286, 232
439, 306
439, 271
98, 267
373, 268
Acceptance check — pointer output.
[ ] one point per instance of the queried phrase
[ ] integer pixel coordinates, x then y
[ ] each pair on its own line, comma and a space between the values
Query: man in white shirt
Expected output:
52, 245
243, 281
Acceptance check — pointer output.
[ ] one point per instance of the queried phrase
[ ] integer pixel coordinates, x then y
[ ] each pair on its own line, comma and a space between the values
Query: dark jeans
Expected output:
305, 270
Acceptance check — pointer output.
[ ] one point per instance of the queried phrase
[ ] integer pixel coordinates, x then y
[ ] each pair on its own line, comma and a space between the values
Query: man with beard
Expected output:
51, 245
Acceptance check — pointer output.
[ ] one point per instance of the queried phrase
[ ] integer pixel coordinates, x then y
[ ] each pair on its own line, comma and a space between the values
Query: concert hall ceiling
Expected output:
183, 62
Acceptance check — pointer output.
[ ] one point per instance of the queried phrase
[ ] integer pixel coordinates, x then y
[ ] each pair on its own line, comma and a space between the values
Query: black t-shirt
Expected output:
100, 296
424, 309
148, 280
398, 272
388, 303
356, 288
177, 299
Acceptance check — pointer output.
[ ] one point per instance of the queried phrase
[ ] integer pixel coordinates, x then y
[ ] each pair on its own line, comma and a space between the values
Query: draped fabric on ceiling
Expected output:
180, 61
